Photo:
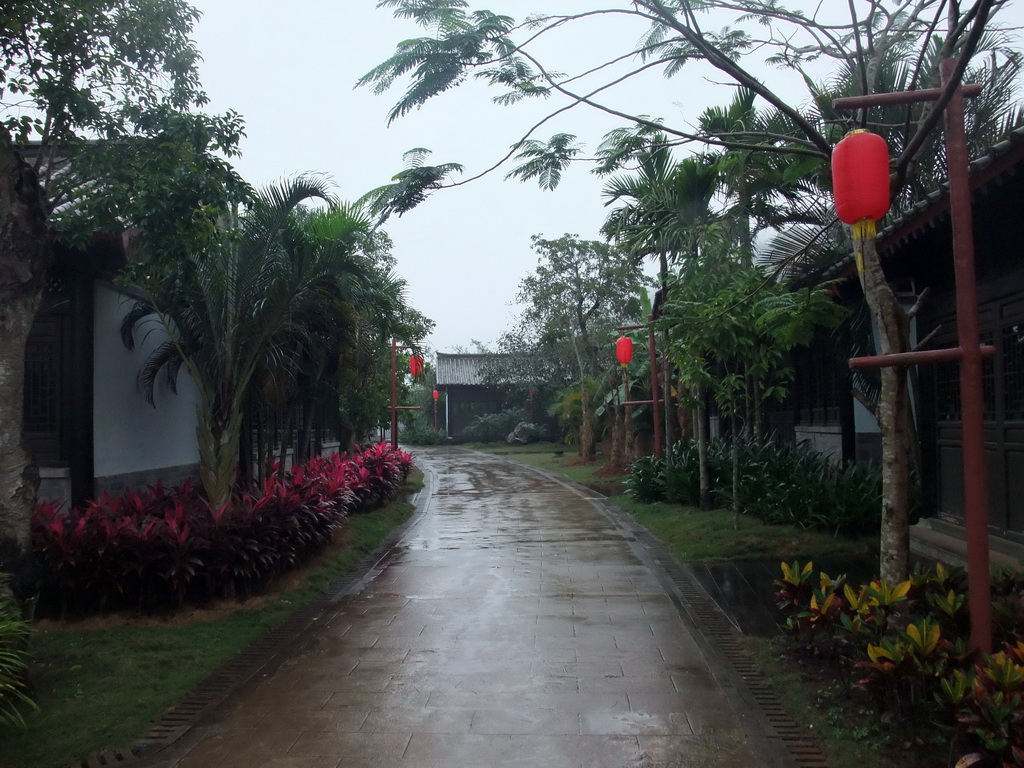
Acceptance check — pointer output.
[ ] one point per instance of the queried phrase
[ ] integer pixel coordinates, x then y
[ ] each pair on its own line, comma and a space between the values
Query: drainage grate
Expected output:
114, 757
724, 637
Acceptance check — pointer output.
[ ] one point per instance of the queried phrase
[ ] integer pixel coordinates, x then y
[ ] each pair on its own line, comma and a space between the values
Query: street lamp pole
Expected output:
655, 401
395, 407
970, 351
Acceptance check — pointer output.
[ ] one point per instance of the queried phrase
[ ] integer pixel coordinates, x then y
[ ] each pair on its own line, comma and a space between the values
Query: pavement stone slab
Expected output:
515, 624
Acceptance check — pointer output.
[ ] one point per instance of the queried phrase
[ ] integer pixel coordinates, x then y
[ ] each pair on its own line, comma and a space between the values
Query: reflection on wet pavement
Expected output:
513, 626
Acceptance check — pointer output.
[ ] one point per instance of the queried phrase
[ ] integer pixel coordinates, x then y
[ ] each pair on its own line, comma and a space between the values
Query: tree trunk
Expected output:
702, 451
668, 415
893, 417
586, 437
587, 427
748, 404
286, 442
615, 453
736, 502
630, 447
684, 417
218, 454
758, 414
25, 258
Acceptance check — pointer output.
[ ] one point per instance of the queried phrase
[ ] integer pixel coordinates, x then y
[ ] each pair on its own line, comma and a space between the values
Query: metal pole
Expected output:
654, 387
971, 394
394, 394
970, 351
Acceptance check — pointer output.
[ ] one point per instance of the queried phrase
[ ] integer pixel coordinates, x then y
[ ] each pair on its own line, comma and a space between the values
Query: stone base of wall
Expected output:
55, 484
826, 440
169, 476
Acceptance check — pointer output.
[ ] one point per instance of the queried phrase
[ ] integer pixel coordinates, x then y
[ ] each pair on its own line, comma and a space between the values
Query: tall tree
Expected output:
579, 292
355, 301
254, 302
97, 133
734, 324
492, 47
665, 211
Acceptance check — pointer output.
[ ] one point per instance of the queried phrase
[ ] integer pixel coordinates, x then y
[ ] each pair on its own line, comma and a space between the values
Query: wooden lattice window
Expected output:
42, 391
816, 387
947, 388
1013, 372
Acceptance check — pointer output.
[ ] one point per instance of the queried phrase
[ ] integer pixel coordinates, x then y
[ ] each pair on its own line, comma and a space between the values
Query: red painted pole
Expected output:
971, 394
951, 355
394, 394
654, 387
970, 352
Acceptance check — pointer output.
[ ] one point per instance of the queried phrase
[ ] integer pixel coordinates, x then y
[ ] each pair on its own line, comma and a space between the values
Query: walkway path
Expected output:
516, 624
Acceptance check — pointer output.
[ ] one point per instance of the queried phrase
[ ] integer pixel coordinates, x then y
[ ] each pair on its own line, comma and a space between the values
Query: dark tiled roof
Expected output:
460, 370
998, 160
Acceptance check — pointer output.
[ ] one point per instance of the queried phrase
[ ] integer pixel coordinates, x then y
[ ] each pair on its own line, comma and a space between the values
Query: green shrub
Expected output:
792, 484
14, 634
905, 645
493, 427
780, 483
682, 474
421, 434
646, 481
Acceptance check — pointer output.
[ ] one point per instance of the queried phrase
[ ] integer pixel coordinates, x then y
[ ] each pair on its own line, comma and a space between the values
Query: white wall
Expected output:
129, 435
826, 440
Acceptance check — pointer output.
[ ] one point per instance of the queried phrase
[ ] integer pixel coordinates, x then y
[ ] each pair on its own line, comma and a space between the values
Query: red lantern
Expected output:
860, 181
624, 350
436, 394
416, 366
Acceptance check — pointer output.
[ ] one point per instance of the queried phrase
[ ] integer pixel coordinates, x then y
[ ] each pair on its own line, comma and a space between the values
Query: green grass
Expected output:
695, 536
101, 686
846, 727
821, 712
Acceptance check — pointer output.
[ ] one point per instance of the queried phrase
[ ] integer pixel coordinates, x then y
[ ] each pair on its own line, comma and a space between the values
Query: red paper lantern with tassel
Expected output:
624, 350
860, 181
416, 366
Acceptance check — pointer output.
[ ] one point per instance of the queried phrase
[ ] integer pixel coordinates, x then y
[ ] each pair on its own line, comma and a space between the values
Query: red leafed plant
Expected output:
160, 548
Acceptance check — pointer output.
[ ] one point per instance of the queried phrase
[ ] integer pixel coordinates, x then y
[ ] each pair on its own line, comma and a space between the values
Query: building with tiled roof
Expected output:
462, 378
916, 251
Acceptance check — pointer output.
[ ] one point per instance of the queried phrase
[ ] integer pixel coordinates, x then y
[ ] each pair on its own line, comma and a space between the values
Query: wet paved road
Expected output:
515, 625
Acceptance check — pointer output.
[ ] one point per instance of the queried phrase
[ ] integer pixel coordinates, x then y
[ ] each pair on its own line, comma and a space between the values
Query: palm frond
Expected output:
545, 162
408, 189
437, 64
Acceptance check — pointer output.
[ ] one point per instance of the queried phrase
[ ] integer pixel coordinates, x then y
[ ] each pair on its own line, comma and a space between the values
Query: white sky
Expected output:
290, 68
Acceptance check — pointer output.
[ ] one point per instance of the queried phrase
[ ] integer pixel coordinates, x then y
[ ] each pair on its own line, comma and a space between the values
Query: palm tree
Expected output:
761, 189
246, 306
665, 205
292, 376
666, 212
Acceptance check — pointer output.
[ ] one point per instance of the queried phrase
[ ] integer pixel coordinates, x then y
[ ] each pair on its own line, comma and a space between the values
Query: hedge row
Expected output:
163, 548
